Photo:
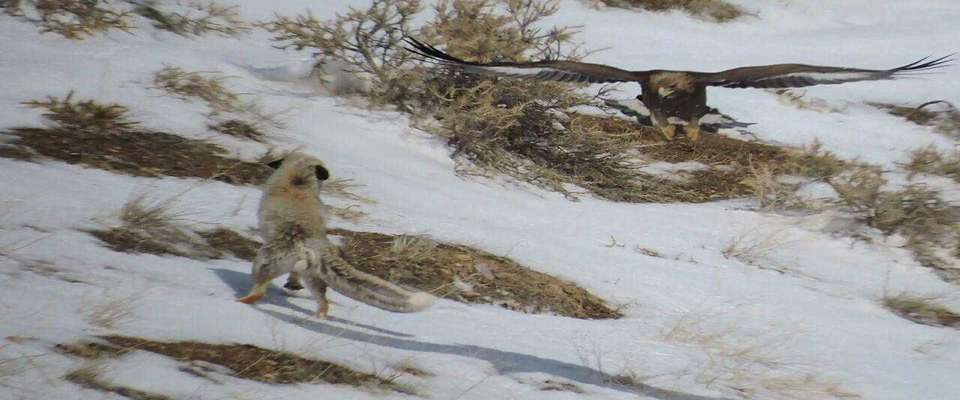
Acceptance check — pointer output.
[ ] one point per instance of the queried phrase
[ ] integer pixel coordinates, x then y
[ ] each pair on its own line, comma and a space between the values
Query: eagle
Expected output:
678, 98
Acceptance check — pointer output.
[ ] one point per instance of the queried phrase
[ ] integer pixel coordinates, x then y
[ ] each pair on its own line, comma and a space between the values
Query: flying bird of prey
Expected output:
678, 98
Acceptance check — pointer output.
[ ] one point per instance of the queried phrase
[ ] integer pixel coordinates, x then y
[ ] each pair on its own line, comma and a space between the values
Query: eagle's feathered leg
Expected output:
693, 130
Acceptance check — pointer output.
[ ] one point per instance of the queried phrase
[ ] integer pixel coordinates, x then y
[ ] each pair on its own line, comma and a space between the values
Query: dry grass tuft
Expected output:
922, 310
195, 18
149, 226
468, 275
73, 19
942, 115
256, 363
746, 366
103, 136
111, 313
929, 160
209, 88
753, 245
243, 118
238, 129
716, 10
930, 225
85, 115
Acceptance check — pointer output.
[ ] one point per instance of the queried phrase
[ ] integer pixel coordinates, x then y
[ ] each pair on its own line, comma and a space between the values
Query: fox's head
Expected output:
297, 171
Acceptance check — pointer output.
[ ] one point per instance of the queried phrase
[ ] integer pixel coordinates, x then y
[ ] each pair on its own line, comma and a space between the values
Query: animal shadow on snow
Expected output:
504, 361
240, 283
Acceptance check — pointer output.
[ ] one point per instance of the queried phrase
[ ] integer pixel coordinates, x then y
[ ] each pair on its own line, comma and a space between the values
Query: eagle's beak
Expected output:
665, 92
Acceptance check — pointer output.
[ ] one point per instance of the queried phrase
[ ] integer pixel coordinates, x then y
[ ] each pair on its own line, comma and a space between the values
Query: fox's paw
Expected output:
250, 299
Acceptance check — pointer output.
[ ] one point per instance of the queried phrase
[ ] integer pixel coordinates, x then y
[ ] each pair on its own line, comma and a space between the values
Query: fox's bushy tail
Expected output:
364, 287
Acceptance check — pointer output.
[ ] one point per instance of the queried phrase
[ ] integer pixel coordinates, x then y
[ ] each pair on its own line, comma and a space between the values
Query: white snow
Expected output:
809, 299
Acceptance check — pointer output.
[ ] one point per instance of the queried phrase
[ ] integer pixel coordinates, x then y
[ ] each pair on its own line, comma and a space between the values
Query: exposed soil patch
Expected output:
103, 136
227, 241
922, 311
138, 153
468, 275
256, 363
202, 245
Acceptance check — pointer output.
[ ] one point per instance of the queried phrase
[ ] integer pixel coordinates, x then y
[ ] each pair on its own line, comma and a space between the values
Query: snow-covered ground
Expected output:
697, 325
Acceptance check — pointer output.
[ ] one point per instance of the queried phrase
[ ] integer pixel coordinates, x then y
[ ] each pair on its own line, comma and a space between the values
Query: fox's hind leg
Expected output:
319, 290
263, 273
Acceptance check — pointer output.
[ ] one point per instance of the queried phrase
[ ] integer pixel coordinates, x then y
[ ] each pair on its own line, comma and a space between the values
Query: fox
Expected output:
294, 231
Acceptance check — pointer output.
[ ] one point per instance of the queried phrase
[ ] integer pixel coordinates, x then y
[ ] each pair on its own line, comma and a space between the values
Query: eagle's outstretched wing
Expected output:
799, 75
563, 71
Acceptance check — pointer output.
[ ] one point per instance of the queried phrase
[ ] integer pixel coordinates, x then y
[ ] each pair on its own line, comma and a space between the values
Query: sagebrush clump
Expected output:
73, 19
195, 18
521, 129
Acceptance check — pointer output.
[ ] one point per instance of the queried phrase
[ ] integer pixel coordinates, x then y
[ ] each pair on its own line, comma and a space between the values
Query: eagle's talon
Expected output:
669, 131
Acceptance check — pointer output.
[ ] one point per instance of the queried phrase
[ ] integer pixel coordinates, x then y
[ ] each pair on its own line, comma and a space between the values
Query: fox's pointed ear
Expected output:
275, 164
322, 173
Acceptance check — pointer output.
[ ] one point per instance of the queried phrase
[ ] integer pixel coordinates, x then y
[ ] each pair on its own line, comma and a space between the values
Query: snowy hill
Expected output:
719, 300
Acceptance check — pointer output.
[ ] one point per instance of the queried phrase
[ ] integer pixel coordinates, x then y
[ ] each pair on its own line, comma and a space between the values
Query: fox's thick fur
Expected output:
294, 233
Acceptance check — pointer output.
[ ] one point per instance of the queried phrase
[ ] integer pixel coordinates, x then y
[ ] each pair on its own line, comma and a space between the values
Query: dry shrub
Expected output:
518, 128
368, 41
922, 310
195, 18
74, 19
929, 160
716, 10
468, 275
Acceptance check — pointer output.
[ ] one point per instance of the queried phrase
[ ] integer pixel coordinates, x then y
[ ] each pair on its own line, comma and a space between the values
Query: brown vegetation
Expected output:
922, 310
246, 361
73, 19
468, 275
716, 10
103, 136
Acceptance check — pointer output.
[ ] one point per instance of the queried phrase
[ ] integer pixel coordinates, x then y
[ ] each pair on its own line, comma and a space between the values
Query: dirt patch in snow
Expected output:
245, 360
103, 136
468, 275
